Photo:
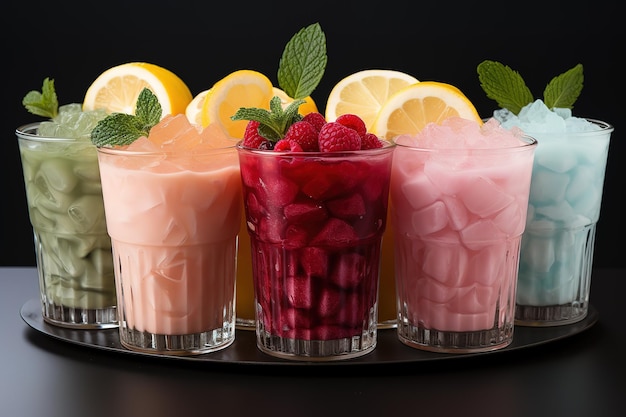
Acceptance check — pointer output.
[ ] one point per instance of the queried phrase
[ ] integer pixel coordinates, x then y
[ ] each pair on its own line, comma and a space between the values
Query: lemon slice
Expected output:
116, 89
363, 93
242, 88
308, 107
194, 108
413, 107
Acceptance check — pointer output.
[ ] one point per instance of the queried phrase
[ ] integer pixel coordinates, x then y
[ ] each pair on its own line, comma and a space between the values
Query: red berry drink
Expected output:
316, 219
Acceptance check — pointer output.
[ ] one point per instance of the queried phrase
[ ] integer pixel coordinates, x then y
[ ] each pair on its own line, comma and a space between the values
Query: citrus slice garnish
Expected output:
364, 93
308, 107
413, 107
116, 89
194, 108
242, 88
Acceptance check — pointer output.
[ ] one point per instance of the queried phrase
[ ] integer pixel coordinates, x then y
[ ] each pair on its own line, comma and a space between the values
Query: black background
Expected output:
202, 41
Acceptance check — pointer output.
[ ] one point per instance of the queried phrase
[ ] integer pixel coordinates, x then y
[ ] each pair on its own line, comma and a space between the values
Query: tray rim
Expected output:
243, 352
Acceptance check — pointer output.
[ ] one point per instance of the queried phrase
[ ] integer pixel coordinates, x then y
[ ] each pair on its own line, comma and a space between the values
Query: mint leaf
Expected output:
563, 90
504, 85
148, 108
119, 129
303, 62
44, 103
300, 70
274, 122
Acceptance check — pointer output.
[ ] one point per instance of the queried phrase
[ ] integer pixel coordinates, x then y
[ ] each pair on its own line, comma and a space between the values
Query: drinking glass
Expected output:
72, 247
316, 220
458, 215
558, 244
174, 219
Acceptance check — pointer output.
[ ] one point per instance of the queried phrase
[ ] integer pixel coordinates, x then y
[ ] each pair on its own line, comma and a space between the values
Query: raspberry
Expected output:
287, 145
316, 119
251, 137
370, 141
303, 133
336, 137
353, 122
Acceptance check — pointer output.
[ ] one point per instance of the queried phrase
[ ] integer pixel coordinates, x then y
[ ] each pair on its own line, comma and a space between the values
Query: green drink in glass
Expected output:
64, 197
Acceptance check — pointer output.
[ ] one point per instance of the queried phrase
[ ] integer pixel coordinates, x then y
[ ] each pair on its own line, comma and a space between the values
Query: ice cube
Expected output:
419, 191
445, 263
483, 197
86, 212
481, 233
548, 186
430, 219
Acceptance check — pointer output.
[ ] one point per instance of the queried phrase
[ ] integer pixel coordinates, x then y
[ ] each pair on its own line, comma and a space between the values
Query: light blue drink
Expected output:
564, 206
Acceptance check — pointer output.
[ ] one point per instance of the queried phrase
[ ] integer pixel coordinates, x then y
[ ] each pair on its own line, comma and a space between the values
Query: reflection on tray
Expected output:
244, 351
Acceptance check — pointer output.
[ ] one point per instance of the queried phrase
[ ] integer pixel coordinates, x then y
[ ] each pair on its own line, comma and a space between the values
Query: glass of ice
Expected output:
173, 208
565, 197
316, 221
72, 247
459, 195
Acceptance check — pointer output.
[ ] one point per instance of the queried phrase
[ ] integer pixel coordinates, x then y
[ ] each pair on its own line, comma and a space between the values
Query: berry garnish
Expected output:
370, 141
335, 137
353, 122
251, 137
303, 133
287, 145
316, 119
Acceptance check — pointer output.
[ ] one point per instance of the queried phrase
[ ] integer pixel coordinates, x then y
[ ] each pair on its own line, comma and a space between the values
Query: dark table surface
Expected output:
578, 375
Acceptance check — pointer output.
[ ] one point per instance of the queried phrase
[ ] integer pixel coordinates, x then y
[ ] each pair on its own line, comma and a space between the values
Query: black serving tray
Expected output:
243, 351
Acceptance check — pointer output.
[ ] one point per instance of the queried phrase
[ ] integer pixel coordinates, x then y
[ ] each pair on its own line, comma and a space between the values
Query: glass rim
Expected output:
528, 142
604, 128
28, 132
389, 146
132, 153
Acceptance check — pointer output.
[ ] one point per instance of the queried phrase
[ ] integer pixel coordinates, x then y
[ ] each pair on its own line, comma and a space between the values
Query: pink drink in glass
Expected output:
459, 198
316, 222
173, 209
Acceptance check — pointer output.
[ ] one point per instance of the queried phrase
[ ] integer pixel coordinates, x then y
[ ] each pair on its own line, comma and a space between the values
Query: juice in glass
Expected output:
316, 221
72, 247
173, 207
459, 196
556, 257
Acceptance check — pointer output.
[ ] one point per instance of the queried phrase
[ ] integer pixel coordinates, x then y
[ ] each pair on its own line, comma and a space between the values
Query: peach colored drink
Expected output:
460, 195
173, 215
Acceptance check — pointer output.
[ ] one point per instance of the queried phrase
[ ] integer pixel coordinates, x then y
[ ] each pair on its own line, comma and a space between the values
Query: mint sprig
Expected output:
507, 87
119, 129
44, 103
301, 68
275, 122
